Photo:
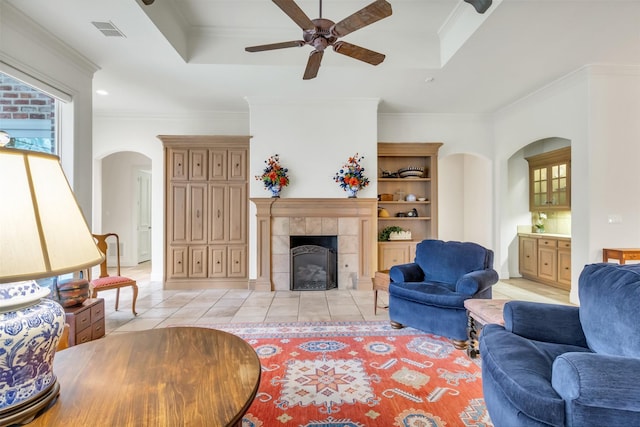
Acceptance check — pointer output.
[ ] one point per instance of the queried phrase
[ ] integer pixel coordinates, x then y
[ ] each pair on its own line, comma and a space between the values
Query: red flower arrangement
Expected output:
274, 175
351, 175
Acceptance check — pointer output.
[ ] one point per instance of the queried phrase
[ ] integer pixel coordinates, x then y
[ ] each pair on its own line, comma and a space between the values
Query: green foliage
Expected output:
383, 236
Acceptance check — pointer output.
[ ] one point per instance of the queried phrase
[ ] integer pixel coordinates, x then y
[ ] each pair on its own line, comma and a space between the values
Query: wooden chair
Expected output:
105, 282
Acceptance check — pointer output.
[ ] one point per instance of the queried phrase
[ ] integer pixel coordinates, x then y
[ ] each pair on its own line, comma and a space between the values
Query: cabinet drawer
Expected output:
547, 243
97, 329
83, 319
84, 336
97, 312
564, 244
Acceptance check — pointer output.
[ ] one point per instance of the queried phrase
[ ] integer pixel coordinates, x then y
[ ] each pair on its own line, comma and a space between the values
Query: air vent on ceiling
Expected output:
108, 29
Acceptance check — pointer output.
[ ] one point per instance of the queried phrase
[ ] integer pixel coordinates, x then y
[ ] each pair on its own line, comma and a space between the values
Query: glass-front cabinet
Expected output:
550, 180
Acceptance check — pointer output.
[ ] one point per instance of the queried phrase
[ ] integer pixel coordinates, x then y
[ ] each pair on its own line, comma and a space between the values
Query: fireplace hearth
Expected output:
313, 263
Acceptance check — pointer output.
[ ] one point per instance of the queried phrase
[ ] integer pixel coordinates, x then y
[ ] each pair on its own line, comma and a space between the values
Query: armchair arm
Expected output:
544, 322
476, 281
406, 273
600, 380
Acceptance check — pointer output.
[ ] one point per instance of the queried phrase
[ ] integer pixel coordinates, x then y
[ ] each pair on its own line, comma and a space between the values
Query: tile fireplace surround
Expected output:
352, 220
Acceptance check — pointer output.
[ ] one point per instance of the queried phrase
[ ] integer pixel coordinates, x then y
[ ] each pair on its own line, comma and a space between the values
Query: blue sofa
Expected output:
555, 365
429, 293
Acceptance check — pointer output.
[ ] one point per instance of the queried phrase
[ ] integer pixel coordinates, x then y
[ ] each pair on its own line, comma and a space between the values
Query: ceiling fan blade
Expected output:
368, 15
481, 6
294, 12
359, 53
313, 65
273, 46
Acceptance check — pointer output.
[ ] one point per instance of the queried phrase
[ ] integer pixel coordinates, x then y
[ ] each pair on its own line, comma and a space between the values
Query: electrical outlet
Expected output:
614, 219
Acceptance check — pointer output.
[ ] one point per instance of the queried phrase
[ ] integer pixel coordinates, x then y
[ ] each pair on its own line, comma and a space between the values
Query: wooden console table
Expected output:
621, 254
158, 377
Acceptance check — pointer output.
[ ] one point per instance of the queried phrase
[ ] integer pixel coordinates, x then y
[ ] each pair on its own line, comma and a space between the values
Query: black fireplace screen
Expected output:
313, 268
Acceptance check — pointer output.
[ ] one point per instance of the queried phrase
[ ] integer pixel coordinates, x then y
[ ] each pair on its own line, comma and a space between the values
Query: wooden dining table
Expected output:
179, 376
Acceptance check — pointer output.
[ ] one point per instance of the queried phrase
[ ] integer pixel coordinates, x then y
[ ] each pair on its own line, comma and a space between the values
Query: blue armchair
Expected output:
554, 365
429, 293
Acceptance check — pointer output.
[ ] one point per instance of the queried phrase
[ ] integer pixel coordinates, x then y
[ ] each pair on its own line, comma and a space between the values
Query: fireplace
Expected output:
353, 221
314, 263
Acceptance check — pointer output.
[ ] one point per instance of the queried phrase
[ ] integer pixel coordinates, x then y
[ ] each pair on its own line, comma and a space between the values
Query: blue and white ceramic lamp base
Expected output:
30, 328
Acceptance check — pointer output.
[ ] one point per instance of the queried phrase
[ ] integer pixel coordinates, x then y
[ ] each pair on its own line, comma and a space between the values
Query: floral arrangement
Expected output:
540, 222
351, 175
274, 175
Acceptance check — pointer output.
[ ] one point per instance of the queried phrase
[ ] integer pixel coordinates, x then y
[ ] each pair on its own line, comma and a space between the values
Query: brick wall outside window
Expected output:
27, 114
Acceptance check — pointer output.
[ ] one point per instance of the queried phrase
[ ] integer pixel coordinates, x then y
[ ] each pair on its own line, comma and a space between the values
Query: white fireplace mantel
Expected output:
352, 220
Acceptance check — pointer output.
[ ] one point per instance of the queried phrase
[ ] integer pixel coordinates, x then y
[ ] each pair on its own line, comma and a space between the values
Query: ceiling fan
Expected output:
321, 33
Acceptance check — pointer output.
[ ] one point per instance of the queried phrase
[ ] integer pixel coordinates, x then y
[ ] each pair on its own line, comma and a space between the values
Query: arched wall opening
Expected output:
518, 197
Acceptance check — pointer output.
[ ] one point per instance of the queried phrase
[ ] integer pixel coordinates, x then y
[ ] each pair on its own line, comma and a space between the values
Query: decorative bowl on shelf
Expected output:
411, 172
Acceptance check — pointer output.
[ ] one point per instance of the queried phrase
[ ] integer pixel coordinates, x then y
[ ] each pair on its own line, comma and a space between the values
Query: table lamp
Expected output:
43, 233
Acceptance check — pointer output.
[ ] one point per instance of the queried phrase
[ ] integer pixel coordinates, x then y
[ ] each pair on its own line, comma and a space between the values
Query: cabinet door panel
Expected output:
237, 213
218, 165
237, 165
237, 261
564, 268
218, 213
198, 261
198, 213
547, 263
217, 261
178, 232
178, 164
198, 165
177, 262
390, 255
528, 256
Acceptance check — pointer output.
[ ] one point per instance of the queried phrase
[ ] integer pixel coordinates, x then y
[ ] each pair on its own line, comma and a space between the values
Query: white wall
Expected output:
465, 181
596, 108
313, 139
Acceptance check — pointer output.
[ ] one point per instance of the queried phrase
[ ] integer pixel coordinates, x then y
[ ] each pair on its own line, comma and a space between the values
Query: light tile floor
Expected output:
158, 308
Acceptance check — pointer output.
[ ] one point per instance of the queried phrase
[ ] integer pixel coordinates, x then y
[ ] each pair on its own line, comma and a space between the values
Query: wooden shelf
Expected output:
410, 218
393, 157
404, 179
398, 202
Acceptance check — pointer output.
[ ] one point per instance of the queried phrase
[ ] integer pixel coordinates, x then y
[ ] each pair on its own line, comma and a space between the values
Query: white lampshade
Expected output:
43, 232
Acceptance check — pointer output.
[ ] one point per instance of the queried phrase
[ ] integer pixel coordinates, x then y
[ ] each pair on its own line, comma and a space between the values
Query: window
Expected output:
28, 115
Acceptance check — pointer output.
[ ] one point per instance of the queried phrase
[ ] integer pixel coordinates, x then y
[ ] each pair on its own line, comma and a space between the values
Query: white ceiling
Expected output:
188, 55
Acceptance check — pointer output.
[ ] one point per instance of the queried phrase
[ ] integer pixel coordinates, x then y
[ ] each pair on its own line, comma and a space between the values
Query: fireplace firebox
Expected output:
314, 263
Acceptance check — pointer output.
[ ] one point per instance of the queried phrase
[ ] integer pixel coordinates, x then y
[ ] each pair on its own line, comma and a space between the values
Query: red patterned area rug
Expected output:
357, 374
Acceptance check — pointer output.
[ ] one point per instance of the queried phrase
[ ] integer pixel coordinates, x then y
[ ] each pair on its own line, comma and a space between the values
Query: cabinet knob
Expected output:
218, 213
218, 262
237, 262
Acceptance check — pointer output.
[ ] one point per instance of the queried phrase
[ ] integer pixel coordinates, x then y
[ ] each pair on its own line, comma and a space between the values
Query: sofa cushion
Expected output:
606, 312
521, 369
446, 262
434, 294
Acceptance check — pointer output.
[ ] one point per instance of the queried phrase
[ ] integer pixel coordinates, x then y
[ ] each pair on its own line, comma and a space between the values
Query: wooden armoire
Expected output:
206, 207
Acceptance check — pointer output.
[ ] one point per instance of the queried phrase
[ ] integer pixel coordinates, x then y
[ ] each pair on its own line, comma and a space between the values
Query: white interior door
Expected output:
144, 216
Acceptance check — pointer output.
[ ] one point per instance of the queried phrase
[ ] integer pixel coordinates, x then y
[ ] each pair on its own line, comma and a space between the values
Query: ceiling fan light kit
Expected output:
321, 33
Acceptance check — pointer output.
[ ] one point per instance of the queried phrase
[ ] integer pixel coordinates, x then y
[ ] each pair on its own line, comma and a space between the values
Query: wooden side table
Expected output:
380, 283
621, 254
86, 321
482, 312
